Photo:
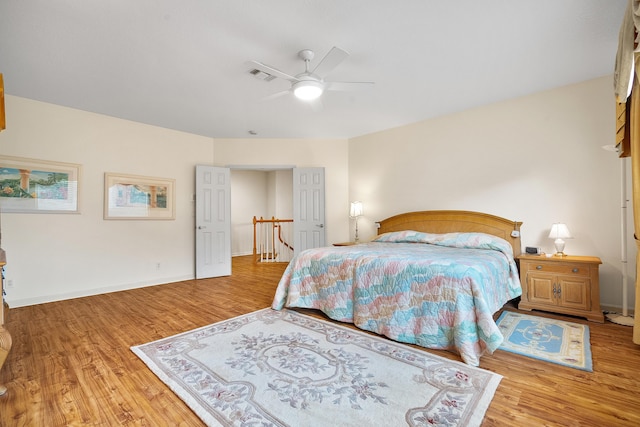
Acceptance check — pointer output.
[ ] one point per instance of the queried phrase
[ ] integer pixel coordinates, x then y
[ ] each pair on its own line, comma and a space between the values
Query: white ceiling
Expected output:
182, 64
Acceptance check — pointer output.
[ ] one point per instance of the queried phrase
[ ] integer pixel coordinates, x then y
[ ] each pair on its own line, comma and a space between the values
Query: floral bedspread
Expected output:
439, 291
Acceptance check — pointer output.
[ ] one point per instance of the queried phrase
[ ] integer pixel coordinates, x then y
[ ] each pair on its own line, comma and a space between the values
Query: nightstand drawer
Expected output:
555, 268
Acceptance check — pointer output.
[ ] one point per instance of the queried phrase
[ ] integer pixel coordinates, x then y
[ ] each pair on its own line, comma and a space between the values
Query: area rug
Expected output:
555, 341
284, 368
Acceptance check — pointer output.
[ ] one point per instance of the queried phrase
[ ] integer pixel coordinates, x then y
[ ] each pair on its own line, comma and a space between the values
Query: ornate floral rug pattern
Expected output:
551, 340
283, 368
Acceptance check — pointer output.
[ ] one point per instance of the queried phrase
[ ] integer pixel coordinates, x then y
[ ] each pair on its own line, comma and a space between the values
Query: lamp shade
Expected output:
559, 231
356, 209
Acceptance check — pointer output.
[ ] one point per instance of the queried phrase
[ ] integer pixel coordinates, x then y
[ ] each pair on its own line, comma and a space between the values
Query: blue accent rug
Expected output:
551, 340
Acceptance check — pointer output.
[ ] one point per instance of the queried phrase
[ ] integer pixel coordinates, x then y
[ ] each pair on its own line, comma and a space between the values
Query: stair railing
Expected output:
271, 239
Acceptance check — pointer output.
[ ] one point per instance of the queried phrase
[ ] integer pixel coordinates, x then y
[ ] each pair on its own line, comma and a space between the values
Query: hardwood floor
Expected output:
71, 365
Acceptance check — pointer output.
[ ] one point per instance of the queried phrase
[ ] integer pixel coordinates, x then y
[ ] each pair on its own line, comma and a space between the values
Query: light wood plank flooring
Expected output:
71, 365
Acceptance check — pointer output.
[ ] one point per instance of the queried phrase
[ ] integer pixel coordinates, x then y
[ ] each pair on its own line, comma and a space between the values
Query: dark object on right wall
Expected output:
2, 120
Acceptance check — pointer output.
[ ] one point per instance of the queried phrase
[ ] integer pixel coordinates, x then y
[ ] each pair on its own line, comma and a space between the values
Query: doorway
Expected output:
259, 192
297, 193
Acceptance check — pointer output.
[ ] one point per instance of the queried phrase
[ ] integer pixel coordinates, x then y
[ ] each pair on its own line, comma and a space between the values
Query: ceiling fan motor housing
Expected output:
306, 54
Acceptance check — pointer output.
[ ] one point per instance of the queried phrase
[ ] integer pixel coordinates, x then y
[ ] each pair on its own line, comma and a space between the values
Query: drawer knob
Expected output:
538, 267
575, 270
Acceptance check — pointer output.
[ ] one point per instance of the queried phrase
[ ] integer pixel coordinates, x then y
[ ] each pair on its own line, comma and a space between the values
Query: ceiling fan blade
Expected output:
276, 95
330, 61
272, 71
348, 85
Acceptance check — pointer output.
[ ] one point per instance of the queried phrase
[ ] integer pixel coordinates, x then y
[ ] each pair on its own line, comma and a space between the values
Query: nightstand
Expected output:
567, 285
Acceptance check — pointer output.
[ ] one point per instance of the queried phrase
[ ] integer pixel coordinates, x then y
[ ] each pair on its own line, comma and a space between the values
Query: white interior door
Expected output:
308, 209
213, 221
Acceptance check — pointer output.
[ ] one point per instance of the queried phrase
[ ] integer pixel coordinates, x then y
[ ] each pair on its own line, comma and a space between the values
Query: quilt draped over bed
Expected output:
439, 291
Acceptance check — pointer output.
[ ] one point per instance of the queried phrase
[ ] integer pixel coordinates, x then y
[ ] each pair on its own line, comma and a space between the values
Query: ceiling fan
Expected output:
310, 84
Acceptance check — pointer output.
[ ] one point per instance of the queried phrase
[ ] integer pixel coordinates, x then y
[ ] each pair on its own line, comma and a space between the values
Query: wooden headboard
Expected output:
448, 221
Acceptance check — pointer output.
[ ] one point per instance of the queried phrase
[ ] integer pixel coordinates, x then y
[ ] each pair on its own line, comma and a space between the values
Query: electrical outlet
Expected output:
157, 266
9, 283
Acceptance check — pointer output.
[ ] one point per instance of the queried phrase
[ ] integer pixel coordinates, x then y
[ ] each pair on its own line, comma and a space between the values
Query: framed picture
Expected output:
38, 186
138, 197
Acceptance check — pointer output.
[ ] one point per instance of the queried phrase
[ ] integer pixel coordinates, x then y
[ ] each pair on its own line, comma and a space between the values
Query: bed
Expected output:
431, 278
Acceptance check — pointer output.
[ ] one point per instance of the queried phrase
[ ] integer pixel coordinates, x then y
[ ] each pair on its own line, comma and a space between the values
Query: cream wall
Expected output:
282, 184
536, 159
250, 196
58, 256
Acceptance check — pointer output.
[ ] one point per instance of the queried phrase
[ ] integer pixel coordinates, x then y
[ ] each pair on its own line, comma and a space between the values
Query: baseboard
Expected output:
90, 292
23, 302
241, 253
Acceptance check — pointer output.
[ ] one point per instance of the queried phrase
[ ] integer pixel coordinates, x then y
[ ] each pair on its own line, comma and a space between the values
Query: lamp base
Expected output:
619, 319
559, 243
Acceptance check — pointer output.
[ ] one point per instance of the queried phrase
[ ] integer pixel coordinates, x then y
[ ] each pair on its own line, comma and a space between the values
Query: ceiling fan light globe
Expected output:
307, 90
